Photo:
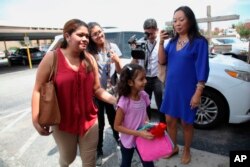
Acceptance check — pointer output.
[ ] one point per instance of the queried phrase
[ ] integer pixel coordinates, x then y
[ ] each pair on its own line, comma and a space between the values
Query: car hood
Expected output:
241, 46
230, 61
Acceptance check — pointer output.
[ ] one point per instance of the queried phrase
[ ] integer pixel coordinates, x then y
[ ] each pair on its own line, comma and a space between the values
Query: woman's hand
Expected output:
195, 101
145, 134
163, 36
44, 131
114, 57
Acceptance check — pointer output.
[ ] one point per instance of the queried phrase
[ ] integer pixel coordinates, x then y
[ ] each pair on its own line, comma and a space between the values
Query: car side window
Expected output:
126, 50
121, 39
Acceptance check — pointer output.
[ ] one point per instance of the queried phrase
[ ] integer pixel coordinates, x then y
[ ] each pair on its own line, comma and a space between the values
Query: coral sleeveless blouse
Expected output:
75, 97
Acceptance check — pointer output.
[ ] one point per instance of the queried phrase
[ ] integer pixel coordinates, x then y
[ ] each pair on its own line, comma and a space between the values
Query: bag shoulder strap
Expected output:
54, 66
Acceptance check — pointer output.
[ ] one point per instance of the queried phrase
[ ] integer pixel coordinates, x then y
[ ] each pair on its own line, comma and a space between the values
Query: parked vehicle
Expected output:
226, 97
20, 56
44, 48
238, 47
2, 55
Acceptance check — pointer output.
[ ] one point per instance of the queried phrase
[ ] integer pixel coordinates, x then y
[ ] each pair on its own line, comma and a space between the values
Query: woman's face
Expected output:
180, 22
79, 39
97, 35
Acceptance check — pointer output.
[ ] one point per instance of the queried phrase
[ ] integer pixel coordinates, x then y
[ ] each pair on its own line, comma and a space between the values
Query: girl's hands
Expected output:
114, 57
145, 134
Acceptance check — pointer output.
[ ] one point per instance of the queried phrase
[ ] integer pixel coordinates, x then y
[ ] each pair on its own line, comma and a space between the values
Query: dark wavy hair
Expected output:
193, 31
70, 27
129, 72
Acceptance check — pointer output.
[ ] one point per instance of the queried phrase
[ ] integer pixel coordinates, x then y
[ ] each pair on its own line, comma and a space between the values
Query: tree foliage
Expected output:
243, 31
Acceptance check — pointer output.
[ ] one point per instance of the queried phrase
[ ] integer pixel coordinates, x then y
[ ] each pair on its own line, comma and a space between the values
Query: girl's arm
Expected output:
118, 126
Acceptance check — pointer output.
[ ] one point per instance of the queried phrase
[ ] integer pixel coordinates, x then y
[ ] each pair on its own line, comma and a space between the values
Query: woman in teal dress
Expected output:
186, 56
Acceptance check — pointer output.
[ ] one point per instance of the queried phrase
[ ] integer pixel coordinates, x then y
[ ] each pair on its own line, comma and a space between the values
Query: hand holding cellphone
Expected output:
169, 31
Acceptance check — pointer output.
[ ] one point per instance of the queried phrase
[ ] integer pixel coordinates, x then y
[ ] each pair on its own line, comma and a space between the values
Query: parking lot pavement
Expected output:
31, 153
199, 158
112, 157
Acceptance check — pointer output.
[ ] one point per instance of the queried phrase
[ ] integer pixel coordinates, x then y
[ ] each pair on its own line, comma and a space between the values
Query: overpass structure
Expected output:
17, 33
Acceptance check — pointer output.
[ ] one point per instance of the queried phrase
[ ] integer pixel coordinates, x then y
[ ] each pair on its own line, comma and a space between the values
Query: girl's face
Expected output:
140, 81
79, 39
97, 35
180, 22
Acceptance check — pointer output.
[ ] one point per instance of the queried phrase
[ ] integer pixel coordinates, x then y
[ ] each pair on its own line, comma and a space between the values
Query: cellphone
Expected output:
169, 30
108, 54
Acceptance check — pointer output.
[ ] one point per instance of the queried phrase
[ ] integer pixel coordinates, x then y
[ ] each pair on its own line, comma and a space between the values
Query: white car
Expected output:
226, 97
238, 47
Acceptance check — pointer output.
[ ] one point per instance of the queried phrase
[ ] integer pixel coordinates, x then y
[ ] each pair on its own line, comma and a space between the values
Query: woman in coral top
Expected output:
76, 83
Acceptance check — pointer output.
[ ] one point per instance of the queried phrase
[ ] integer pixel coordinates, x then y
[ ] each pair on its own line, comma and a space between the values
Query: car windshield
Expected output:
229, 40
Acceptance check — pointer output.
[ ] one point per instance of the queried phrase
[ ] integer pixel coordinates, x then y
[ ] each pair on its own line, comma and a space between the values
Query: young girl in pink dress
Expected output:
131, 111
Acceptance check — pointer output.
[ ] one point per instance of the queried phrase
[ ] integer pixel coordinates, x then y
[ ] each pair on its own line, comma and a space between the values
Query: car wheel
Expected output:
211, 111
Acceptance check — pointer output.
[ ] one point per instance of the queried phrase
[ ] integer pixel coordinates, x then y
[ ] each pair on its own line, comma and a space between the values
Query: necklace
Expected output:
182, 43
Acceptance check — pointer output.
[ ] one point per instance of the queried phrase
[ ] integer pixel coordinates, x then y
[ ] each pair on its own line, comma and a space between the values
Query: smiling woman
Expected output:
76, 81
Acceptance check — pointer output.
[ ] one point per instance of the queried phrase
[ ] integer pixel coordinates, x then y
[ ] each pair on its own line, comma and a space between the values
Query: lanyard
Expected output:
148, 55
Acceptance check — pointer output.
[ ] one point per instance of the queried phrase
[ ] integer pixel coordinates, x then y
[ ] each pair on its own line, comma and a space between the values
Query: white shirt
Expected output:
152, 67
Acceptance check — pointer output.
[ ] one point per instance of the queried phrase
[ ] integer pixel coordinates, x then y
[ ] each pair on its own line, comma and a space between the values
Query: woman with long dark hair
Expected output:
186, 56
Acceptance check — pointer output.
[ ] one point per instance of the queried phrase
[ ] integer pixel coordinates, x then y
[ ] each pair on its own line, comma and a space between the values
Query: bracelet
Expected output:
161, 42
199, 85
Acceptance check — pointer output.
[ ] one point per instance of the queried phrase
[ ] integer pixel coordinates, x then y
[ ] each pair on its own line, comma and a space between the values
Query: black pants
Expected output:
127, 156
154, 85
110, 111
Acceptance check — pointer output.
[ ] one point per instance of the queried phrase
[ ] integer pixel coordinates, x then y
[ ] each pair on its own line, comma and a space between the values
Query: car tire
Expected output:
212, 110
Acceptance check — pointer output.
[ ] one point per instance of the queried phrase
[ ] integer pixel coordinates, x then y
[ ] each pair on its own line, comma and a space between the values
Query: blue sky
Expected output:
125, 13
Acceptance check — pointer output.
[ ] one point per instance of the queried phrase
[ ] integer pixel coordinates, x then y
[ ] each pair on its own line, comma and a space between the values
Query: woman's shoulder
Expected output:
200, 39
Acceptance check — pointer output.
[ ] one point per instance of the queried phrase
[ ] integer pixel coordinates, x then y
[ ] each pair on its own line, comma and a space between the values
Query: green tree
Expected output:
243, 31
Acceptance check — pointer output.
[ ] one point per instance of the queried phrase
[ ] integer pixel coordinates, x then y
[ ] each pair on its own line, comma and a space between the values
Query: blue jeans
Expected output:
127, 155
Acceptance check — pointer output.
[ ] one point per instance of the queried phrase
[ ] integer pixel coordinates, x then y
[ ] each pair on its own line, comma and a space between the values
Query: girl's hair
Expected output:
129, 72
92, 47
193, 31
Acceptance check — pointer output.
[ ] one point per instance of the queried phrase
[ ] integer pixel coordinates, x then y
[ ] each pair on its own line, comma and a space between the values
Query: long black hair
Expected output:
193, 31
129, 72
